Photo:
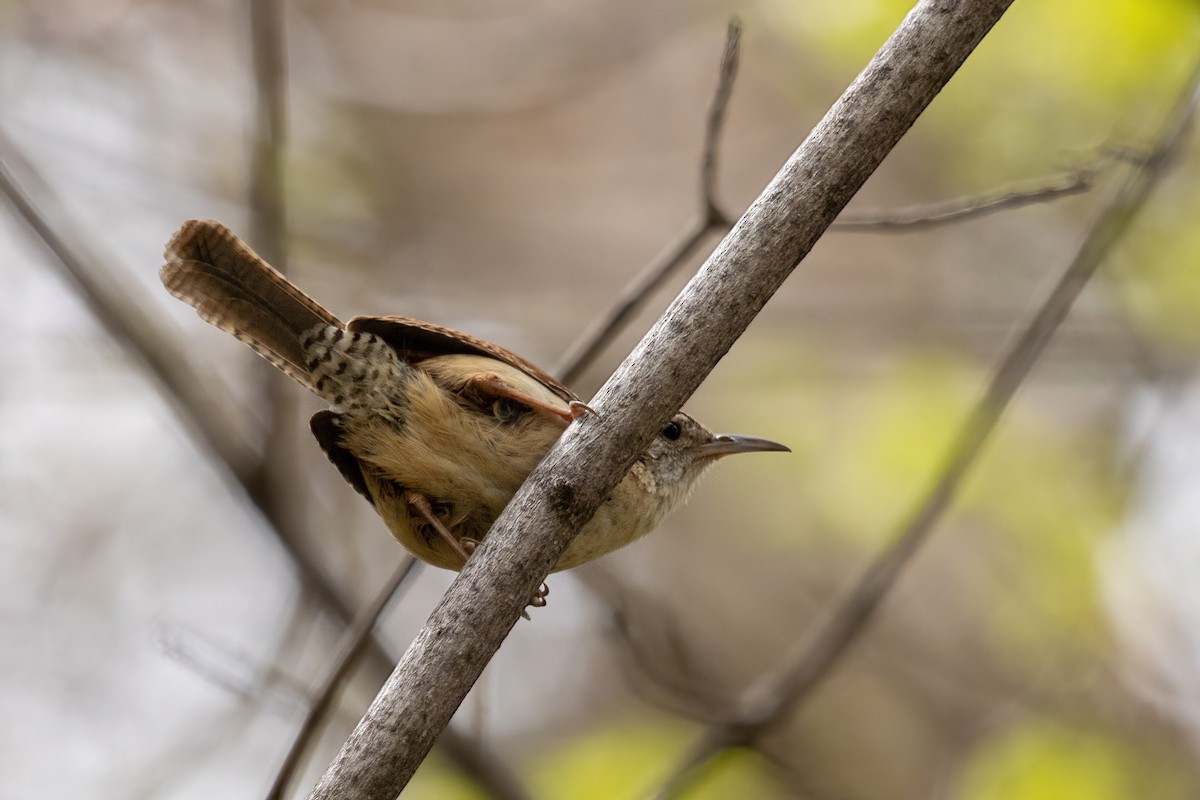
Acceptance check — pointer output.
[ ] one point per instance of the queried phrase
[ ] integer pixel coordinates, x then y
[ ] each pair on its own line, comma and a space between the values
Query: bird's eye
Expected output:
508, 410
671, 431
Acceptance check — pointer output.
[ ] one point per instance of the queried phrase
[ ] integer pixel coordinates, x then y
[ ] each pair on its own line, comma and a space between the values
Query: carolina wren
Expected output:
437, 429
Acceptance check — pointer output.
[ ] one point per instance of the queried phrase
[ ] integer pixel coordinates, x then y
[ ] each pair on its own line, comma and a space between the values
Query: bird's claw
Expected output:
580, 409
537, 601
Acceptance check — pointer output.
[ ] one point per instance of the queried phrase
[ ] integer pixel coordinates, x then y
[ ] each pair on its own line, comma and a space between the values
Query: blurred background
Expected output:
168, 600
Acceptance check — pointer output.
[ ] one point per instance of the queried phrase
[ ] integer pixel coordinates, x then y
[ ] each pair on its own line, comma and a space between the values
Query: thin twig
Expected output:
354, 640
268, 49
146, 341
229, 668
587, 346
924, 217
900, 220
581, 470
275, 478
658, 665
583, 352
812, 659
710, 210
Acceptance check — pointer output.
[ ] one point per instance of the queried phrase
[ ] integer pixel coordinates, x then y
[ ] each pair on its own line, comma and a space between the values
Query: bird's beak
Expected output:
726, 444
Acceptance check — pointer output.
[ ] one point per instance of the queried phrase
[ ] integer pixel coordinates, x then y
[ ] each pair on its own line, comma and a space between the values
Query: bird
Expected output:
436, 428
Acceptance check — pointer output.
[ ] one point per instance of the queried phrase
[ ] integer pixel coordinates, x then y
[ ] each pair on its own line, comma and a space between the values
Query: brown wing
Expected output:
327, 427
416, 341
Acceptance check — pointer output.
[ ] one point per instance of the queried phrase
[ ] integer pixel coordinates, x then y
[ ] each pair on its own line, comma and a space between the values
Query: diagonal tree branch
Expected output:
562, 493
812, 659
123, 318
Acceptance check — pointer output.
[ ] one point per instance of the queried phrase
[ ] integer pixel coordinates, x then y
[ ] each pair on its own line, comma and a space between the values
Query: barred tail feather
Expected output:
230, 287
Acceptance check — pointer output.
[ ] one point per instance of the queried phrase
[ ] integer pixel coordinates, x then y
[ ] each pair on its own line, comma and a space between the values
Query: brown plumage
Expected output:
435, 427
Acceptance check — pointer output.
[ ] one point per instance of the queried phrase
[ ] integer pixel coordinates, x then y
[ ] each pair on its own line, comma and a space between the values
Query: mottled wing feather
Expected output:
416, 341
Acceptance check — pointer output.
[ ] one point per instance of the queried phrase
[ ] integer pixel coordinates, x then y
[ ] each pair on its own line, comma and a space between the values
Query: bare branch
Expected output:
712, 220
275, 479
811, 660
144, 338
657, 663
354, 640
229, 668
900, 220
106, 295
125, 320
487, 597
584, 350
587, 347
710, 211
919, 218
269, 54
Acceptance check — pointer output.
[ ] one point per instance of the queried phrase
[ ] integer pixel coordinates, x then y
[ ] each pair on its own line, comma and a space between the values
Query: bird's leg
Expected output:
492, 384
419, 505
